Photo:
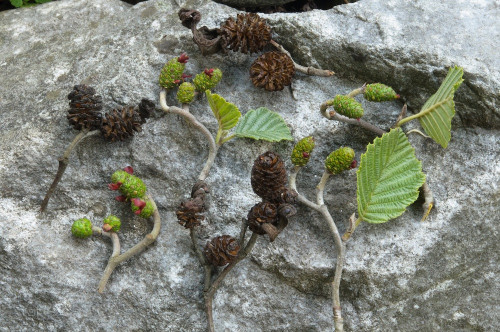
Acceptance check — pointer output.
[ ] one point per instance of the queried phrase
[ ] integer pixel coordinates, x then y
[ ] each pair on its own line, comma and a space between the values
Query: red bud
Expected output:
354, 164
129, 170
305, 154
106, 227
209, 72
121, 198
183, 58
114, 186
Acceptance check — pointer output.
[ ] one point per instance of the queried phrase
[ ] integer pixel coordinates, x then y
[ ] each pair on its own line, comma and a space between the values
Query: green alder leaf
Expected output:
263, 124
388, 178
16, 3
440, 108
227, 114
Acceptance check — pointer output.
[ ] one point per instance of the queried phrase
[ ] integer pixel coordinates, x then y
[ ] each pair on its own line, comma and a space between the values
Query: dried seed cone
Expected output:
185, 94
248, 33
208, 79
133, 187
348, 106
171, 72
85, 108
222, 250
81, 228
302, 151
119, 125
114, 222
339, 160
189, 212
379, 92
261, 213
268, 175
272, 71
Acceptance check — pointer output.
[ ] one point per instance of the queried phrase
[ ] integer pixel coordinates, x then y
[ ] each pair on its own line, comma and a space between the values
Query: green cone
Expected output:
114, 223
208, 79
82, 228
133, 187
119, 176
339, 160
347, 106
171, 73
185, 94
147, 211
302, 151
379, 92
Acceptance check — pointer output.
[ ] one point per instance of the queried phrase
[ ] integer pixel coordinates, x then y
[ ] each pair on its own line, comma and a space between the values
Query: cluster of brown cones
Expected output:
269, 179
118, 124
248, 33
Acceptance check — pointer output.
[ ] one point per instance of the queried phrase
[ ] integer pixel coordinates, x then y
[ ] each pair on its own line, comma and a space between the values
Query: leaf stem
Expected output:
117, 258
213, 147
424, 112
429, 200
352, 227
306, 70
63, 163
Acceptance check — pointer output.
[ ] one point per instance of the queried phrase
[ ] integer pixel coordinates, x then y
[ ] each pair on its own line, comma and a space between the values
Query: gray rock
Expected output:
405, 275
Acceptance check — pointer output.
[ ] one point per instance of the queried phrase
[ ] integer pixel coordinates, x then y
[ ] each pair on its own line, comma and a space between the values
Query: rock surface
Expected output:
405, 275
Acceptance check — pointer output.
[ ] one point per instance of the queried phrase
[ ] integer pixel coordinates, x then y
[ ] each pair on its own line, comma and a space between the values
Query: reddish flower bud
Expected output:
114, 186
184, 76
209, 72
107, 227
177, 81
139, 203
129, 170
354, 164
183, 58
306, 154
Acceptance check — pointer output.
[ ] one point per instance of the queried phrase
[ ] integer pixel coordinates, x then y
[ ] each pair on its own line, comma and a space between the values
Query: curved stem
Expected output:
320, 188
357, 91
332, 115
206, 266
213, 147
339, 245
63, 163
209, 294
293, 185
302, 69
115, 260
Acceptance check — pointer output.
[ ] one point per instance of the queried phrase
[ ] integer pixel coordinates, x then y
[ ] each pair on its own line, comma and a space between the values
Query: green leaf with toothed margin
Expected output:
227, 114
388, 178
263, 124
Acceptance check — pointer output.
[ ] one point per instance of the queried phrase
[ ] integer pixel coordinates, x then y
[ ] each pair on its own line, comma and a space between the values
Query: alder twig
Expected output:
306, 70
213, 147
63, 163
117, 258
339, 245
332, 115
209, 294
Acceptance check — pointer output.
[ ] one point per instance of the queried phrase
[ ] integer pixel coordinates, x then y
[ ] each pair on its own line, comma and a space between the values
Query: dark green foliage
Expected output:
26, 3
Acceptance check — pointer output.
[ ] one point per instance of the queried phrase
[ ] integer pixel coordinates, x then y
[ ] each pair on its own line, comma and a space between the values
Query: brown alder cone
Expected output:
248, 33
189, 212
119, 125
268, 175
262, 213
85, 108
272, 71
222, 250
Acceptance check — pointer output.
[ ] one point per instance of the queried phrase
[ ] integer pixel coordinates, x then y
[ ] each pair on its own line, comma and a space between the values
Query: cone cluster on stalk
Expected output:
221, 250
379, 92
269, 179
133, 190
272, 71
189, 213
302, 151
248, 33
118, 124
